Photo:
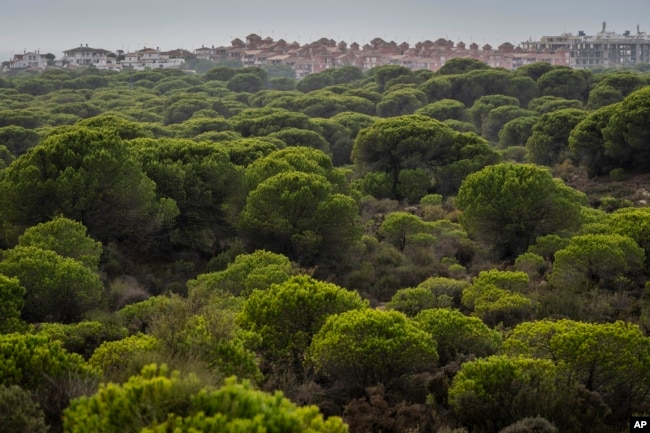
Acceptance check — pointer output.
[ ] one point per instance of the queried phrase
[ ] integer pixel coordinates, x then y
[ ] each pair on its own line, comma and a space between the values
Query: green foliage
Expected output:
461, 66
470, 153
30, 360
611, 359
88, 175
183, 109
437, 88
626, 134
19, 413
339, 139
546, 246
368, 92
456, 334
345, 74
507, 280
288, 314
246, 82
220, 73
244, 151
302, 159
34, 86
83, 110
524, 88
324, 103
548, 143
460, 126
400, 102
18, 139
633, 223
65, 237
170, 84
498, 117
591, 261
384, 74
495, 305
375, 184
160, 401
143, 400
447, 291
495, 297
368, 347
355, 122
258, 270
602, 96
490, 394
23, 118
57, 288
548, 104
482, 107
238, 407
6, 157
534, 70
470, 86
138, 316
198, 334
11, 304
405, 142
301, 137
283, 83
510, 205
300, 215
83, 337
613, 88
124, 128
413, 300
431, 200
565, 83
533, 264
205, 186
263, 121
212, 338
195, 126
624, 81
166, 210
116, 355
516, 132
445, 109
314, 82
398, 227
201, 332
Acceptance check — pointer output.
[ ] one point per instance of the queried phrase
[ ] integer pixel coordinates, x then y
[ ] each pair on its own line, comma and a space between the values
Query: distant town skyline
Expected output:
53, 26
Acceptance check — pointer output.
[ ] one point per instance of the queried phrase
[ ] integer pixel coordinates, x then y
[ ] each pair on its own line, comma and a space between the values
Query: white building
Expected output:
85, 56
605, 49
149, 58
28, 60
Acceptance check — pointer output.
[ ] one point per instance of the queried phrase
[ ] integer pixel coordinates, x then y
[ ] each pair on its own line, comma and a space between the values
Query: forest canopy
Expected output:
462, 250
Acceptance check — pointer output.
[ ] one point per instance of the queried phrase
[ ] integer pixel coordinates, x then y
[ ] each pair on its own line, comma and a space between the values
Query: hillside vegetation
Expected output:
388, 251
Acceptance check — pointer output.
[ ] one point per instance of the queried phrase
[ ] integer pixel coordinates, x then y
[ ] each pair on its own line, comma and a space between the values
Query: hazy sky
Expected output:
57, 25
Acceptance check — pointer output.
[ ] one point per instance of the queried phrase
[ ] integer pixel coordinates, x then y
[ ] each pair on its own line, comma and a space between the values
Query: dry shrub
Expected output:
125, 290
375, 412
